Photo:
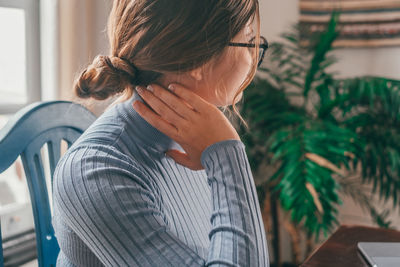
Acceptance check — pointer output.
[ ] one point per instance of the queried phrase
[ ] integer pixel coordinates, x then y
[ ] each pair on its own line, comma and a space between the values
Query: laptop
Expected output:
380, 254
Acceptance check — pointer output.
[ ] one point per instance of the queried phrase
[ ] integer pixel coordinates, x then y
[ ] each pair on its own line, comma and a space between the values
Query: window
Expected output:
20, 81
20, 85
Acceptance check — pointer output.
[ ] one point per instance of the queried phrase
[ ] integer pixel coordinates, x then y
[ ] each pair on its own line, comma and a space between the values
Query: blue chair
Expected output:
24, 135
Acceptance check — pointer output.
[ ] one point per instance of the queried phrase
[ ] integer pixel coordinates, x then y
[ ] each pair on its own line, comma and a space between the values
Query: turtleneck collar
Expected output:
144, 132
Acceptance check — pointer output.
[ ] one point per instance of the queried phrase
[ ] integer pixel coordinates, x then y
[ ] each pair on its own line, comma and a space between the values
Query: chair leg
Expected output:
1, 249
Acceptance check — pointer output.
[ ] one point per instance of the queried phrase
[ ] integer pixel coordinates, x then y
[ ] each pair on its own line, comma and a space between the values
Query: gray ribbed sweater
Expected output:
119, 201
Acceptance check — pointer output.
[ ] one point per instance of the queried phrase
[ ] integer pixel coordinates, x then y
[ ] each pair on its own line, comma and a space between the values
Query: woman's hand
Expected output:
187, 118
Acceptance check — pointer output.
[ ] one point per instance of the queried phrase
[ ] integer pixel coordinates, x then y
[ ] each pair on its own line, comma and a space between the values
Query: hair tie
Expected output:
109, 63
133, 78
130, 64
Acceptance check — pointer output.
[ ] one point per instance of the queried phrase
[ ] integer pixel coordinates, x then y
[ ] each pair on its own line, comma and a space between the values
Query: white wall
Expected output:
277, 16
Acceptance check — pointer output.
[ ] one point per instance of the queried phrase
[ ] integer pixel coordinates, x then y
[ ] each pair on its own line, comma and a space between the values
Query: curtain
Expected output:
81, 37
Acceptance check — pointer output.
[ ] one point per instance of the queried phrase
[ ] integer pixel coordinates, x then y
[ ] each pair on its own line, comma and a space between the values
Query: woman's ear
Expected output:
197, 74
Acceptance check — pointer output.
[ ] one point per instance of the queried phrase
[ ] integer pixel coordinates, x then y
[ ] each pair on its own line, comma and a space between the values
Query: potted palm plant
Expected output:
314, 137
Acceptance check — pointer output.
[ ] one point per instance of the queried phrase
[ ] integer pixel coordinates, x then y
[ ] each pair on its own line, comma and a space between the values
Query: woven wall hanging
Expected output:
362, 23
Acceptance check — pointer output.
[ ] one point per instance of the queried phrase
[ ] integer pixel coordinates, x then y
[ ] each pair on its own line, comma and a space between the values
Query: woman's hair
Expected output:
151, 37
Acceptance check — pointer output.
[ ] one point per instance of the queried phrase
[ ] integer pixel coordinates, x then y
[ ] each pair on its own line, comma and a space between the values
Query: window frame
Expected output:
33, 53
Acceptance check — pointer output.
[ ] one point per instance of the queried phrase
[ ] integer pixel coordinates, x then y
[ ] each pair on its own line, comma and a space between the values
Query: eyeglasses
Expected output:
263, 47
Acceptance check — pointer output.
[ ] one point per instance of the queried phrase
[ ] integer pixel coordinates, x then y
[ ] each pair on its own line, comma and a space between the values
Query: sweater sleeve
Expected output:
112, 206
238, 235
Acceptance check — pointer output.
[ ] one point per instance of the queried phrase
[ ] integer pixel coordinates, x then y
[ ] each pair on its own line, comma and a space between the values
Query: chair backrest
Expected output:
24, 135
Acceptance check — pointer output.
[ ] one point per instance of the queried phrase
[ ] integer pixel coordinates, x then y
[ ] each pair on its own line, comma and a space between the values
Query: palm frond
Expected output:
298, 171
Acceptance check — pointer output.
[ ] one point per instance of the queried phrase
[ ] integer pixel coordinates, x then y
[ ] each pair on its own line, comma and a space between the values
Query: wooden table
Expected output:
341, 248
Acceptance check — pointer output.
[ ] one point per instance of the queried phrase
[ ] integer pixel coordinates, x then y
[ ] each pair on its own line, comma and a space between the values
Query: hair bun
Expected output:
106, 76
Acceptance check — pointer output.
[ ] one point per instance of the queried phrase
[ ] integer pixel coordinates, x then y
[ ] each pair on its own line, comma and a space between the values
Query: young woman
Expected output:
161, 178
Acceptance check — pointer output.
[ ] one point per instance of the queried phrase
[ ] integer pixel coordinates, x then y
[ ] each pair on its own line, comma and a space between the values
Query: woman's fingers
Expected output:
155, 120
197, 102
160, 107
181, 107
